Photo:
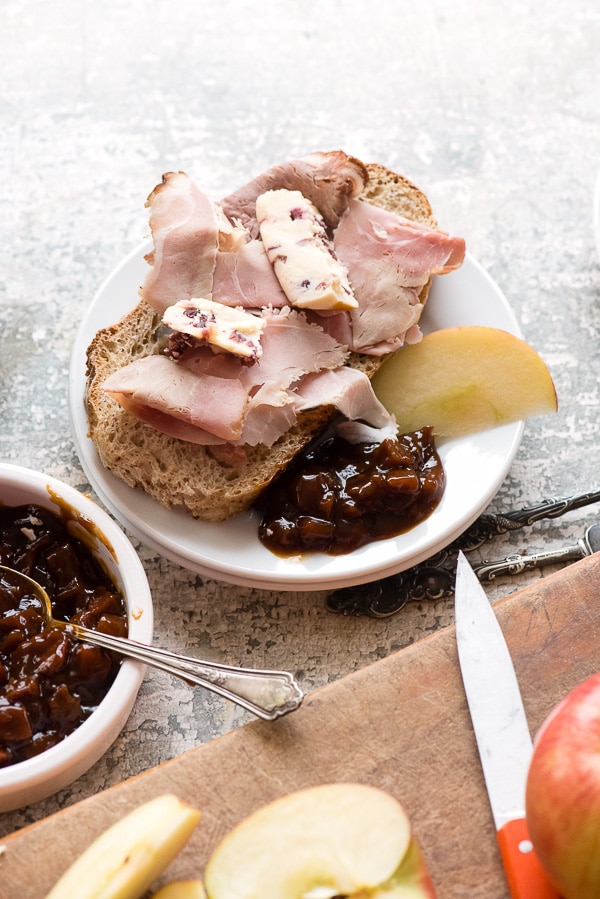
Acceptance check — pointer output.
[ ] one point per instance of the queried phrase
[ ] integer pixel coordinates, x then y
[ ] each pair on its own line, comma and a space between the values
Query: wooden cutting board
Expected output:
401, 724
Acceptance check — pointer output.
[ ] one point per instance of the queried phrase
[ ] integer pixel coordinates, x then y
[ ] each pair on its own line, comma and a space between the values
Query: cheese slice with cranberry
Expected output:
226, 328
300, 252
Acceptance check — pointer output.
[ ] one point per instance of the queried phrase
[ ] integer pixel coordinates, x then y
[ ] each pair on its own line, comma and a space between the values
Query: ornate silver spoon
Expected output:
268, 694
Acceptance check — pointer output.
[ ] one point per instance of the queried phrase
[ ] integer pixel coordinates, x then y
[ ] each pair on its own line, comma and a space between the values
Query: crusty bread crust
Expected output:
177, 473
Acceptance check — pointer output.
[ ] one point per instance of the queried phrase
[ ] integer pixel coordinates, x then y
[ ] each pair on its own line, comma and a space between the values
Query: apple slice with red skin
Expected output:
563, 793
342, 839
465, 379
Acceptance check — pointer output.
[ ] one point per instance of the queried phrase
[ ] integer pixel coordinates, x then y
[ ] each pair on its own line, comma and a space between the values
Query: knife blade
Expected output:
501, 730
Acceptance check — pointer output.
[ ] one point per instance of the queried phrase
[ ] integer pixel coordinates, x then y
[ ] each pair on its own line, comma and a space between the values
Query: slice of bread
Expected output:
177, 473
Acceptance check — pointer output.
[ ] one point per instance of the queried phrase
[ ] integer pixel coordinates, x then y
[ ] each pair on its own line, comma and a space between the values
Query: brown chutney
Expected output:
338, 495
49, 681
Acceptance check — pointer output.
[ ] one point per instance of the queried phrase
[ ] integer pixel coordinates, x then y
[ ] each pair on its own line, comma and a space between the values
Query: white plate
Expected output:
231, 551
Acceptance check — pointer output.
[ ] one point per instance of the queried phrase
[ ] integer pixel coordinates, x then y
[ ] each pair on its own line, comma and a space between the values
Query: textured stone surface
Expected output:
491, 108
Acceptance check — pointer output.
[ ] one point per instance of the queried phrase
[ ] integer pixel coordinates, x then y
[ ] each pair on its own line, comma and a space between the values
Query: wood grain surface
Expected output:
401, 724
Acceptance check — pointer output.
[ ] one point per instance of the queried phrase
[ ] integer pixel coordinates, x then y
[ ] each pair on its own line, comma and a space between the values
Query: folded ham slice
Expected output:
389, 259
175, 401
349, 390
291, 347
329, 180
245, 277
412, 251
185, 232
211, 398
198, 252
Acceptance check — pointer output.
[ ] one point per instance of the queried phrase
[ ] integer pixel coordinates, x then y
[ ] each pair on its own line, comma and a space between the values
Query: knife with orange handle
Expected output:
501, 730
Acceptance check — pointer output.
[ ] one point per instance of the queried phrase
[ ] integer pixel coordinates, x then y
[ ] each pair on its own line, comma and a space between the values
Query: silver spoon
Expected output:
268, 694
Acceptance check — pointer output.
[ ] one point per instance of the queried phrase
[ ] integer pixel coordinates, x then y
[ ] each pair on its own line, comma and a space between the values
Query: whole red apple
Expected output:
563, 793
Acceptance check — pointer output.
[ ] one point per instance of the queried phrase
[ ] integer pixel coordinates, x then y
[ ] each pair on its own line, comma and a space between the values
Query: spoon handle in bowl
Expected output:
268, 694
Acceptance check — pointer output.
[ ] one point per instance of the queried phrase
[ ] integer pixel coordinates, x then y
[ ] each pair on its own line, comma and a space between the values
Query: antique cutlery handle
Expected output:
385, 597
518, 562
489, 524
434, 578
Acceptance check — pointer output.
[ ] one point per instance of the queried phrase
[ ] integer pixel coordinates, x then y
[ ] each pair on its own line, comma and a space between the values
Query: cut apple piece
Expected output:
124, 860
181, 889
463, 380
334, 840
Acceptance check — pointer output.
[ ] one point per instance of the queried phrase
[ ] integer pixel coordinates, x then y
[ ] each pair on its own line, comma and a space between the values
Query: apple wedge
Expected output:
181, 889
463, 380
334, 840
123, 861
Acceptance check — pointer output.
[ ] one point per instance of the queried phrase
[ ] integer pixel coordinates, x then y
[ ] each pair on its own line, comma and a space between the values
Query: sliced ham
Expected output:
185, 233
346, 389
389, 259
175, 427
206, 251
213, 404
245, 277
201, 360
291, 347
414, 251
382, 325
199, 252
337, 324
265, 424
349, 390
329, 180
209, 398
